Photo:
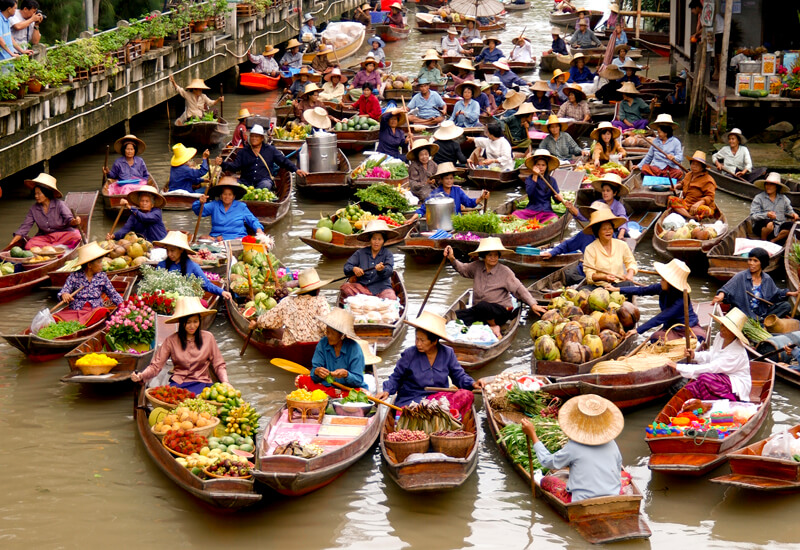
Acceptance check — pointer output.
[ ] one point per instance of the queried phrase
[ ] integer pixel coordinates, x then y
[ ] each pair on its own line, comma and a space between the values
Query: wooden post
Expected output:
638, 18
698, 85
723, 67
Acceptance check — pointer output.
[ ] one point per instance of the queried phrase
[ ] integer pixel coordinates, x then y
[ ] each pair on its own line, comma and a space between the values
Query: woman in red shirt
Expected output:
368, 104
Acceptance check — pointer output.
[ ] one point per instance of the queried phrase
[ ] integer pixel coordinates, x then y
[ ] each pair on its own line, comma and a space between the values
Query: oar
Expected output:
208, 188
368, 396
660, 150
794, 308
430, 289
451, 390
408, 123
553, 191
607, 273
760, 299
686, 329
773, 352
221, 103
116, 221
169, 132
52, 309
247, 341
105, 166
348, 276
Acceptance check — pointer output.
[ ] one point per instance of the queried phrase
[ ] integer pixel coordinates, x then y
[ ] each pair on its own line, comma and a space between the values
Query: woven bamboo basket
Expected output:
403, 449
456, 447
205, 431
309, 410
157, 402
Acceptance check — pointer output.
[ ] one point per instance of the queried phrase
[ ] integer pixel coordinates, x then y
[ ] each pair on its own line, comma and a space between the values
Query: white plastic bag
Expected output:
41, 320
779, 447
673, 221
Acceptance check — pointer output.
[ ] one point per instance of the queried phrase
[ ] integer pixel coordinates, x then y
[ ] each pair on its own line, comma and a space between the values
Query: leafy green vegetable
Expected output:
355, 396
548, 432
477, 223
384, 196
59, 329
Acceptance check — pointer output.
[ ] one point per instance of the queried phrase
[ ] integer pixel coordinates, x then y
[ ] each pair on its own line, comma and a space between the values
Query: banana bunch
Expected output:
242, 420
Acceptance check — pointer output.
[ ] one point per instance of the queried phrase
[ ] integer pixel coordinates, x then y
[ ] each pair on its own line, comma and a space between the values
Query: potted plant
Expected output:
791, 81
178, 26
156, 30
200, 14
220, 8
12, 85
132, 327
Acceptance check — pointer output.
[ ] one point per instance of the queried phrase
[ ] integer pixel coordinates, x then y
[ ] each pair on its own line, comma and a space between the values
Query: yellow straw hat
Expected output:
600, 216
445, 168
269, 49
590, 419
158, 200
602, 127
45, 180
377, 226
734, 321
243, 113
340, 321
676, 273
181, 154
466, 64
613, 180
310, 89
552, 162
699, 156
197, 84
188, 306
430, 322
89, 252
420, 144
369, 357
293, 43
140, 145
553, 119
309, 280
490, 244
178, 239
580, 95
556, 74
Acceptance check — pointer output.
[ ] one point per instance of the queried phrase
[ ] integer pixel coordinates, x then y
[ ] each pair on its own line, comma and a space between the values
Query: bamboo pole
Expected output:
638, 17
723, 64
648, 14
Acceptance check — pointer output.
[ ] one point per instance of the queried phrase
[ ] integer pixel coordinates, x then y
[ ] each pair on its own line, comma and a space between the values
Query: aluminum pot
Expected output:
322, 152
439, 213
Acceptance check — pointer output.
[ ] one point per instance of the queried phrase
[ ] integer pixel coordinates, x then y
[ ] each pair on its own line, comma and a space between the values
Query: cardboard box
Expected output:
744, 81
775, 85
759, 82
768, 63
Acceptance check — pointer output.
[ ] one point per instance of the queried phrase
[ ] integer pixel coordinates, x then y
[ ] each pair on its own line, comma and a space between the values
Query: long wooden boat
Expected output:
593, 56
337, 55
327, 185
492, 180
511, 6
724, 264
355, 141
343, 246
43, 349
552, 285
294, 476
339, 110
389, 33
474, 356
598, 520
177, 201
206, 134
745, 190
789, 264
111, 203
431, 475
560, 369
397, 94
527, 266
382, 335
566, 19
257, 82
641, 198
220, 493
691, 251
693, 456
750, 470
270, 213
427, 25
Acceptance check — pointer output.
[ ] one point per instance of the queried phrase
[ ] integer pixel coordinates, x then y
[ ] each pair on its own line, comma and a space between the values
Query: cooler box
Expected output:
653, 181
377, 17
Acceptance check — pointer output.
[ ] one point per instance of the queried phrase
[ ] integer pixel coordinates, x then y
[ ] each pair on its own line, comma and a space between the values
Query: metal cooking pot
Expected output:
439, 211
322, 152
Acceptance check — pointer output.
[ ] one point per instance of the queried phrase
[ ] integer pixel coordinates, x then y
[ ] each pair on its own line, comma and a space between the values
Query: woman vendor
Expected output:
772, 210
573, 274
445, 174
748, 288
734, 158
557, 84
430, 68
451, 46
129, 168
51, 215
239, 133
300, 80
422, 168
449, 149
177, 245
367, 75
145, 219
368, 103
373, 265
518, 124
699, 190
606, 138
197, 103
308, 99
630, 67
607, 260
666, 163
492, 150
579, 73
298, 314
492, 287
322, 63
376, 49
391, 139
470, 32
192, 350
228, 215
395, 17
674, 276
540, 98
576, 106
722, 372
466, 72
467, 111
611, 190
90, 282
182, 175
591, 423
429, 363
491, 52
558, 142
333, 89
538, 187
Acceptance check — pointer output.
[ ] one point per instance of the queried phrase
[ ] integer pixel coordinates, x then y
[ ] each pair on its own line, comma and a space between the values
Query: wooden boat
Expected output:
283, 112
221, 493
750, 470
294, 476
474, 356
389, 33
431, 475
642, 198
527, 266
688, 250
510, 6
492, 180
552, 285
355, 141
179, 201
206, 134
559, 369
327, 185
593, 56
270, 213
43, 349
602, 111
337, 55
343, 246
598, 520
339, 110
724, 264
427, 25
397, 93
111, 203
745, 190
565, 19
257, 82
693, 456
382, 335
791, 267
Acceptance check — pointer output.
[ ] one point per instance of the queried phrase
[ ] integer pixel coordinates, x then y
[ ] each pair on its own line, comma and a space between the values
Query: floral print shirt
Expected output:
92, 292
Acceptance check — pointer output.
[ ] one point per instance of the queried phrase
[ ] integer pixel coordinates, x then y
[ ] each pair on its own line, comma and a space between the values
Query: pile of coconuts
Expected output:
581, 326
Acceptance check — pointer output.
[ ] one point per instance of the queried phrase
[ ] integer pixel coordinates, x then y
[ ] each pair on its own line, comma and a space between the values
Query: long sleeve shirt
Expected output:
58, 218
671, 304
730, 360
320, 63
470, 34
634, 111
433, 75
522, 54
147, 225
307, 29
737, 288
616, 208
498, 150
617, 262
363, 77
190, 364
92, 291
658, 159
418, 177
576, 111
186, 178
585, 39
489, 56
251, 166
598, 153
292, 60
230, 223
577, 243
510, 78
486, 102
557, 89
564, 148
298, 87
414, 372
303, 104
540, 103
263, 64
762, 205
122, 171
369, 106
539, 194
332, 93
495, 286
449, 151
460, 199
451, 47
193, 269
580, 76
594, 470
633, 78
559, 46
395, 19
238, 140
734, 163
350, 358
699, 188
622, 38
195, 105
391, 142
298, 316
375, 281
469, 113
431, 107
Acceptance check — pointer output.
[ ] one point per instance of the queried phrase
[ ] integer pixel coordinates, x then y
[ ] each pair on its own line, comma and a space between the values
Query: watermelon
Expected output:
249, 312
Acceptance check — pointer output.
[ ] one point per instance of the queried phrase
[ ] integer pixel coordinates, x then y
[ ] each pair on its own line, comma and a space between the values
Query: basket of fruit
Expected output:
186, 420
167, 396
218, 393
181, 443
96, 363
303, 405
404, 443
228, 469
453, 443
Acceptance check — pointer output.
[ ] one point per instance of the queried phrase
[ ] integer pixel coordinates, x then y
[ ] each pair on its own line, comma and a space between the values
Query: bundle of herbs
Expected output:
477, 223
547, 430
429, 416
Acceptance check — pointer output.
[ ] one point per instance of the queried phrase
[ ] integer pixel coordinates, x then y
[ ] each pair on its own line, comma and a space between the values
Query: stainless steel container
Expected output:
322, 152
438, 213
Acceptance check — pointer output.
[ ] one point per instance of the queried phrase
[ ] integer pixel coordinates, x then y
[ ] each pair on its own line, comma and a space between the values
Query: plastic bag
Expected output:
41, 320
779, 447
673, 221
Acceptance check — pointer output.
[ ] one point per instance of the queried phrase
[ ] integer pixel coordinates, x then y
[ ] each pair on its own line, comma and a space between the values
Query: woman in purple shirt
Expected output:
90, 282
130, 166
52, 216
540, 186
367, 75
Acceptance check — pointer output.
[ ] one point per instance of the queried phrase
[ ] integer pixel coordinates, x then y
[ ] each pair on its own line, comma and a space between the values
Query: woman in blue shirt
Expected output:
391, 139
183, 177
145, 219
229, 216
491, 52
630, 67
446, 176
579, 73
542, 163
178, 250
373, 265
467, 111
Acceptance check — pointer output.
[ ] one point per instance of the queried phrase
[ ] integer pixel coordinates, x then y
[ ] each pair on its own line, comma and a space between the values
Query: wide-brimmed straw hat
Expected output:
335, 72
580, 95
490, 244
630, 64
377, 226
556, 74
448, 130
175, 239
555, 31
520, 39
734, 321
629, 88
513, 100
583, 21
340, 321
774, 178
552, 161
610, 179
553, 119
603, 126
181, 154
369, 357
614, 7
676, 273
45, 180
445, 168
595, 206
626, 47
601, 216
400, 114
89, 252
317, 117
377, 39
158, 200
590, 420
452, 30
188, 306
735, 132
540, 86
525, 109
466, 64
576, 57
431, 55
611, 72
304, 71
293, 43
369, 58
197, 84
396, 6
699, 156
496, 40
476, 88
309, 280
430, 322
227, 183
324, 49
243, 113
663, 118
140, 145
420, 144
269, 49
502, 64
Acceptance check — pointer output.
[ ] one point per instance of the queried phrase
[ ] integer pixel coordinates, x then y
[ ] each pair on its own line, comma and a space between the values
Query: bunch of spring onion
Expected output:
429, 415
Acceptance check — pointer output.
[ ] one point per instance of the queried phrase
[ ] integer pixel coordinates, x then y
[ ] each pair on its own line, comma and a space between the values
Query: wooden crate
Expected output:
245, 10
133, 50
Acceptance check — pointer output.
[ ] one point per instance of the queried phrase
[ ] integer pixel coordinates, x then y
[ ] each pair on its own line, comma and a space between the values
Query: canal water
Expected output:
76, 474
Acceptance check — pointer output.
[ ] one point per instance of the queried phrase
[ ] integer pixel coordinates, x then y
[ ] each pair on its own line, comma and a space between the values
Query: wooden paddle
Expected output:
686, 329
348, 276
451, 390
221, 103
52, 309
760, 299
408, 123
794, 308
430, 289
368, 396
607, 273
119, 215
105, 166
660, 150
530, 464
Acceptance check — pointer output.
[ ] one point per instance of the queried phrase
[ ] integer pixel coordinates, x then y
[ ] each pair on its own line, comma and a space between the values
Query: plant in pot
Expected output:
180, 18
220, 8
262, 5
791, 81
200, 14
132, 328
12, 85
156, 30
30, 71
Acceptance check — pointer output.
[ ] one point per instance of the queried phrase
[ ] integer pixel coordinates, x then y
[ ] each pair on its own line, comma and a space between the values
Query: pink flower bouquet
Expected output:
132, 326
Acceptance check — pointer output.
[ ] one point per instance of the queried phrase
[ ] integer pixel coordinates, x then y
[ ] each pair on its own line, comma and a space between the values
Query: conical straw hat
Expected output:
176, 239
605, 125
158, 200
513, 100
45, 180
540, 86
676, 273
601, 216
243, 113
309, 280
629, 88
369, 357
490, 244
181, 154
90, 252
556, 74
197, 84
552, 162
590, 420
140, 145
613, 180
446, 168
553, 119
188, 306
227, 183
420, 144
596, 205
663, 118
340, 321
734, 321
430, 322
377, 226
